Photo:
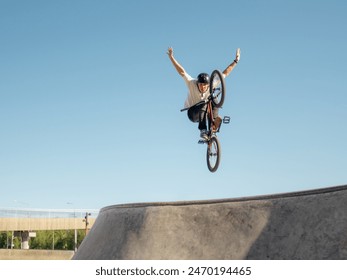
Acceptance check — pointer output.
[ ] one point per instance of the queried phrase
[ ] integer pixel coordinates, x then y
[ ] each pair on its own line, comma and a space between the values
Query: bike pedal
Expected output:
202, 141
226, 119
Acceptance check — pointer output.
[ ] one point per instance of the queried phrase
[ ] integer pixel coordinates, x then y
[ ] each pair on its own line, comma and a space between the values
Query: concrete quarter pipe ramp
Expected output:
302, 225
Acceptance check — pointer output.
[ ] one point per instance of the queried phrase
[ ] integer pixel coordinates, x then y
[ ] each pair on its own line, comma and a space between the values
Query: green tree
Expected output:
3, 240
45, 240
6, 238
57, 239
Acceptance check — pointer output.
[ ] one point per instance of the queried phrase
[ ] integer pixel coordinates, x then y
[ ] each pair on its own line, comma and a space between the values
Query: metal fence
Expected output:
47, 213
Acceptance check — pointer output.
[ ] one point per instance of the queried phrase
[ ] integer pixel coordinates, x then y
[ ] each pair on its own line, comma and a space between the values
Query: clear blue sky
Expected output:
90, 103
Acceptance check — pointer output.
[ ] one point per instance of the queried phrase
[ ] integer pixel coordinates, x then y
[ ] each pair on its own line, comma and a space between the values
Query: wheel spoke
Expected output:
217, 88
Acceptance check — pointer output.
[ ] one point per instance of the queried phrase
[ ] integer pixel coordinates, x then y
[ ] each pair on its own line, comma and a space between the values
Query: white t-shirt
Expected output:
194, 95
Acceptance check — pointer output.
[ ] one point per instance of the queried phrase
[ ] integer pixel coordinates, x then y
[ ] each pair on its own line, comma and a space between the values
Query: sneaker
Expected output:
203, 134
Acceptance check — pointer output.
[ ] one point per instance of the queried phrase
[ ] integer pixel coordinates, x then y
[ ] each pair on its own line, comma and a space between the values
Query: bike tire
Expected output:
217, 88
213, 154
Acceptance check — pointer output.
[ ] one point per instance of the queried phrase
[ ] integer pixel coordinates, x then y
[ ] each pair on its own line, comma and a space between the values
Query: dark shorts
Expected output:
195, 113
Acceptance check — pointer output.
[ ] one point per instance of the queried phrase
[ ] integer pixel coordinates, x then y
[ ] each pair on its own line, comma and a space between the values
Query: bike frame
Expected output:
210, 118
213, 146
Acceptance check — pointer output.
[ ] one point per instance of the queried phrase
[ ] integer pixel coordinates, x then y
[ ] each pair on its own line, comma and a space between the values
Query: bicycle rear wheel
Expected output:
217, 88
213, 154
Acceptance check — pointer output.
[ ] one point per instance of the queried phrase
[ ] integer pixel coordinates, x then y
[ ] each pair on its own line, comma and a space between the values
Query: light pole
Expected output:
86, 221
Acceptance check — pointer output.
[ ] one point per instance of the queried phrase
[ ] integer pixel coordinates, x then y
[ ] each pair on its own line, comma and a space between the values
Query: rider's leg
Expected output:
217, 119
202, 122
198, 114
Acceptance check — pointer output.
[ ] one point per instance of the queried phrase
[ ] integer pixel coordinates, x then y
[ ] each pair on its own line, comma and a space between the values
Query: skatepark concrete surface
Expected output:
18, 254
309, 225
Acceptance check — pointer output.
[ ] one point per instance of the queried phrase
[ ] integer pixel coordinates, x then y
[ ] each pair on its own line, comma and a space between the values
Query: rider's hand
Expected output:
170, 51
238, 55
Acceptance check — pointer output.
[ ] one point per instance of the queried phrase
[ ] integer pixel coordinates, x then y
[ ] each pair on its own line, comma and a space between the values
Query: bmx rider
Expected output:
198, 90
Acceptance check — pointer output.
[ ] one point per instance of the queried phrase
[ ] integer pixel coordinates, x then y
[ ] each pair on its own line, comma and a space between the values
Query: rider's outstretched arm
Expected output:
231, 66
180, 70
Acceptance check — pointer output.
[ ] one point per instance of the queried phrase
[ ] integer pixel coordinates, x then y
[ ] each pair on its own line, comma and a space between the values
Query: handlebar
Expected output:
203, 102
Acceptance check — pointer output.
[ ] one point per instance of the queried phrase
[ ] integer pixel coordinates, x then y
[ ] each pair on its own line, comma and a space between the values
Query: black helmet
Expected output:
203, 78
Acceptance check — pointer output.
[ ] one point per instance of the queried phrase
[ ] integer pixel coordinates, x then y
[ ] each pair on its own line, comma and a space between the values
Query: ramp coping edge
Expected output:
225, 200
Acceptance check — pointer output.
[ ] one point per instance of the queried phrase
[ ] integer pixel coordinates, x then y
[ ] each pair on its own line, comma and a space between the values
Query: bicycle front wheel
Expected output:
213, 154
217, 88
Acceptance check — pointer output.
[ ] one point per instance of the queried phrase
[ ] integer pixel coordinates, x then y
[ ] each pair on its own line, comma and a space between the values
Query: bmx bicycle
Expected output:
215, 99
